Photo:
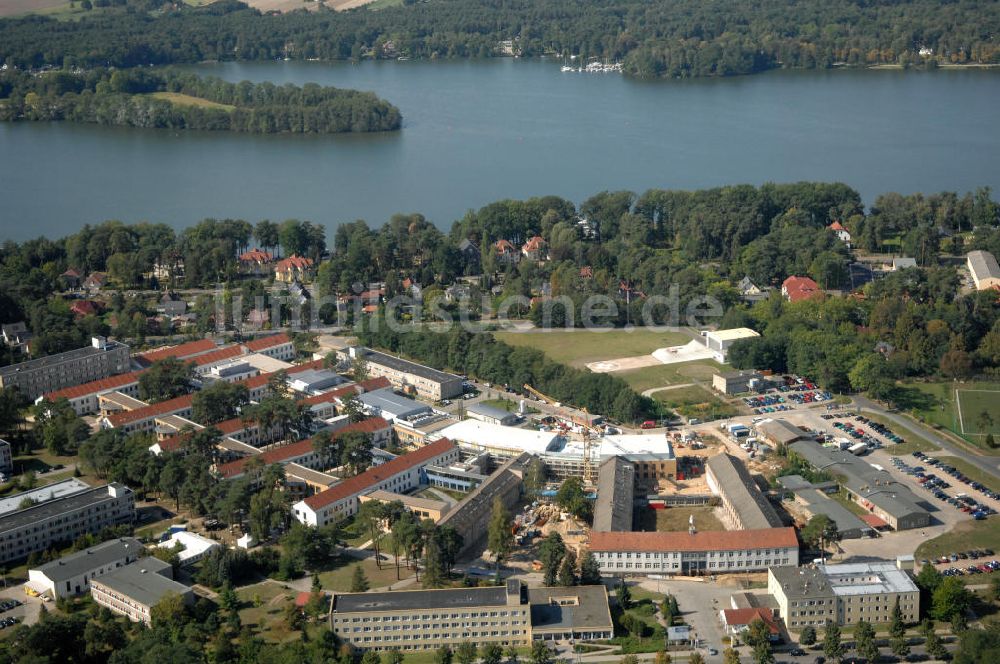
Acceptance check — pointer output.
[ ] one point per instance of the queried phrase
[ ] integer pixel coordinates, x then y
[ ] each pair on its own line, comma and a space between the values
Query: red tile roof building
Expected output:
181, 352
293, 268
708, 552
256, 257
399, 475
83, 398
735, 621
144, 419
796, 289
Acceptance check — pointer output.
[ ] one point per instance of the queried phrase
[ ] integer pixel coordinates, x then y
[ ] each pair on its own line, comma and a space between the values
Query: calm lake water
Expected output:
479, 131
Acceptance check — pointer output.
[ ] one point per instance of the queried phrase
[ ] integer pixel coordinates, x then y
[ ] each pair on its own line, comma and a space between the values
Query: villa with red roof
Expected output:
842, 233
399, 475
293, 268
735, 621
506, 251
255, 258
535, 248
796, 289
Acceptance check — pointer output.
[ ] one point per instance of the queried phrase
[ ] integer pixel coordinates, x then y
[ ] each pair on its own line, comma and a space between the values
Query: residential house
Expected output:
842, 233
17, 336
255, 260
81, 308
797, 289
507, 253
470, 253
535, 249
71, 279
749, 291
171, 305
903, 263
293, 268
96, 281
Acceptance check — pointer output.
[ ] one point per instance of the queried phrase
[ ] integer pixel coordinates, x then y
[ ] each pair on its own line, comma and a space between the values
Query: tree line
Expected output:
684, 38
129, 97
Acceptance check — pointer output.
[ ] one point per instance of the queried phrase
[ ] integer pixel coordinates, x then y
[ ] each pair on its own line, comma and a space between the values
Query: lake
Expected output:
479, 131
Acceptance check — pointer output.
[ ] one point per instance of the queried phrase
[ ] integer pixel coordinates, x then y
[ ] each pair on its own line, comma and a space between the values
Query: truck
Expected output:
858, 449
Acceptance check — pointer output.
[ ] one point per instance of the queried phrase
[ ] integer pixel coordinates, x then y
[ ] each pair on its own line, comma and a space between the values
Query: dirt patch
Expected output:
18, 7
292, 5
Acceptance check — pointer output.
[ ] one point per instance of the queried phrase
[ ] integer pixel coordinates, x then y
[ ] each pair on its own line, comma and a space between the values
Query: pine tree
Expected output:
864, 641
500, 538
359, 582
590, 571
567, 570
896, 628
832, 647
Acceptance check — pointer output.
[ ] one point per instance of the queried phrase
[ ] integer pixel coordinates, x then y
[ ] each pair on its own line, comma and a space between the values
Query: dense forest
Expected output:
173, 100
681, 38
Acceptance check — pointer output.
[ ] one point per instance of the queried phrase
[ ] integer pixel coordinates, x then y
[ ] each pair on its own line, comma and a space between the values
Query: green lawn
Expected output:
580, 347
849, 504
263, 606
964, 536
339, 577
972, 472
936, 404
677, 518
671, 374
510, 405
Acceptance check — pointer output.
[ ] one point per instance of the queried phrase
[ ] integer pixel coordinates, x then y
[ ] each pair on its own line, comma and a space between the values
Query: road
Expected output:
987, 464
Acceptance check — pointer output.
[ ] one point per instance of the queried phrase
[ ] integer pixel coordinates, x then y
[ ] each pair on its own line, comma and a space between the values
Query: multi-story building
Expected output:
719, 341
85, 398
692, 553
511, 615
102, 358
399, 475
746, 507
843, 594
144, 419
61, 520
278, 346
133, 590
72, 574
183, 351
405, 375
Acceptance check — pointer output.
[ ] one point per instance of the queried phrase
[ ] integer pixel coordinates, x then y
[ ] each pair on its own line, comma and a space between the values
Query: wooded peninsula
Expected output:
677, 39
170, 99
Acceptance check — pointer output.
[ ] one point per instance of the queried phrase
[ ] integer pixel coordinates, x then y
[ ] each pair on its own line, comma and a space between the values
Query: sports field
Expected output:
648, 378
970, 409
579, 347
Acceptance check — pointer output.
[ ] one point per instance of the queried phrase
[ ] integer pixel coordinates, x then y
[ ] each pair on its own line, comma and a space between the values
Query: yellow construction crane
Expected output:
586, 429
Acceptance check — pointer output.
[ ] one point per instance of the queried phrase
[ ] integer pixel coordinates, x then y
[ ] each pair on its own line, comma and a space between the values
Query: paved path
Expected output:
985, 463
653, 390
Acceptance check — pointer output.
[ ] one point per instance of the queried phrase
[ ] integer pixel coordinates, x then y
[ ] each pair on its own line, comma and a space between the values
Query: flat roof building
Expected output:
719, 341
133, 590
193, 547
735, 382
67, 487
613, 510
62, 520
510, 615
102, 358
422, 508
689, 554
871, 488
746, 506
409, 376
984, 269
844, 594
71, 575
780, 433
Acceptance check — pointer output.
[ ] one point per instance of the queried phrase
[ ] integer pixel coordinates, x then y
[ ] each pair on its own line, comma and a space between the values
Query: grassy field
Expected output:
674, 519
671, 374
179, 99
964, 536
936, 404
339, 578
580, 347
849, 504
696, 401
262, 607
510, 405
972, 472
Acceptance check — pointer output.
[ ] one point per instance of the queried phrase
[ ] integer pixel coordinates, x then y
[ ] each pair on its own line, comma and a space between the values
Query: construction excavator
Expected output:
587, 430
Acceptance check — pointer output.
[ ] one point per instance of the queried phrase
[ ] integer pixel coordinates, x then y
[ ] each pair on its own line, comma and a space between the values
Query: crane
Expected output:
586, 429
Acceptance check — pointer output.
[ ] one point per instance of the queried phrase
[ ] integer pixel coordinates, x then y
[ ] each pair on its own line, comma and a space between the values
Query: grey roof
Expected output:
496, 484
418, 600
615, 496
52, 491
983, 265
753, 507
847, 521
800, 582
903, 263
143, 581
782, 432
399, 364
489, 411
59, 358
387, 401
861, 478
77, 564
53, 508
316, 379
739, 375
589, 612
794, 482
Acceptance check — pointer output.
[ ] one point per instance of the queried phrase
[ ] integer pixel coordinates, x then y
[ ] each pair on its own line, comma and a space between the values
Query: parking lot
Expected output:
794, 392
20, 608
